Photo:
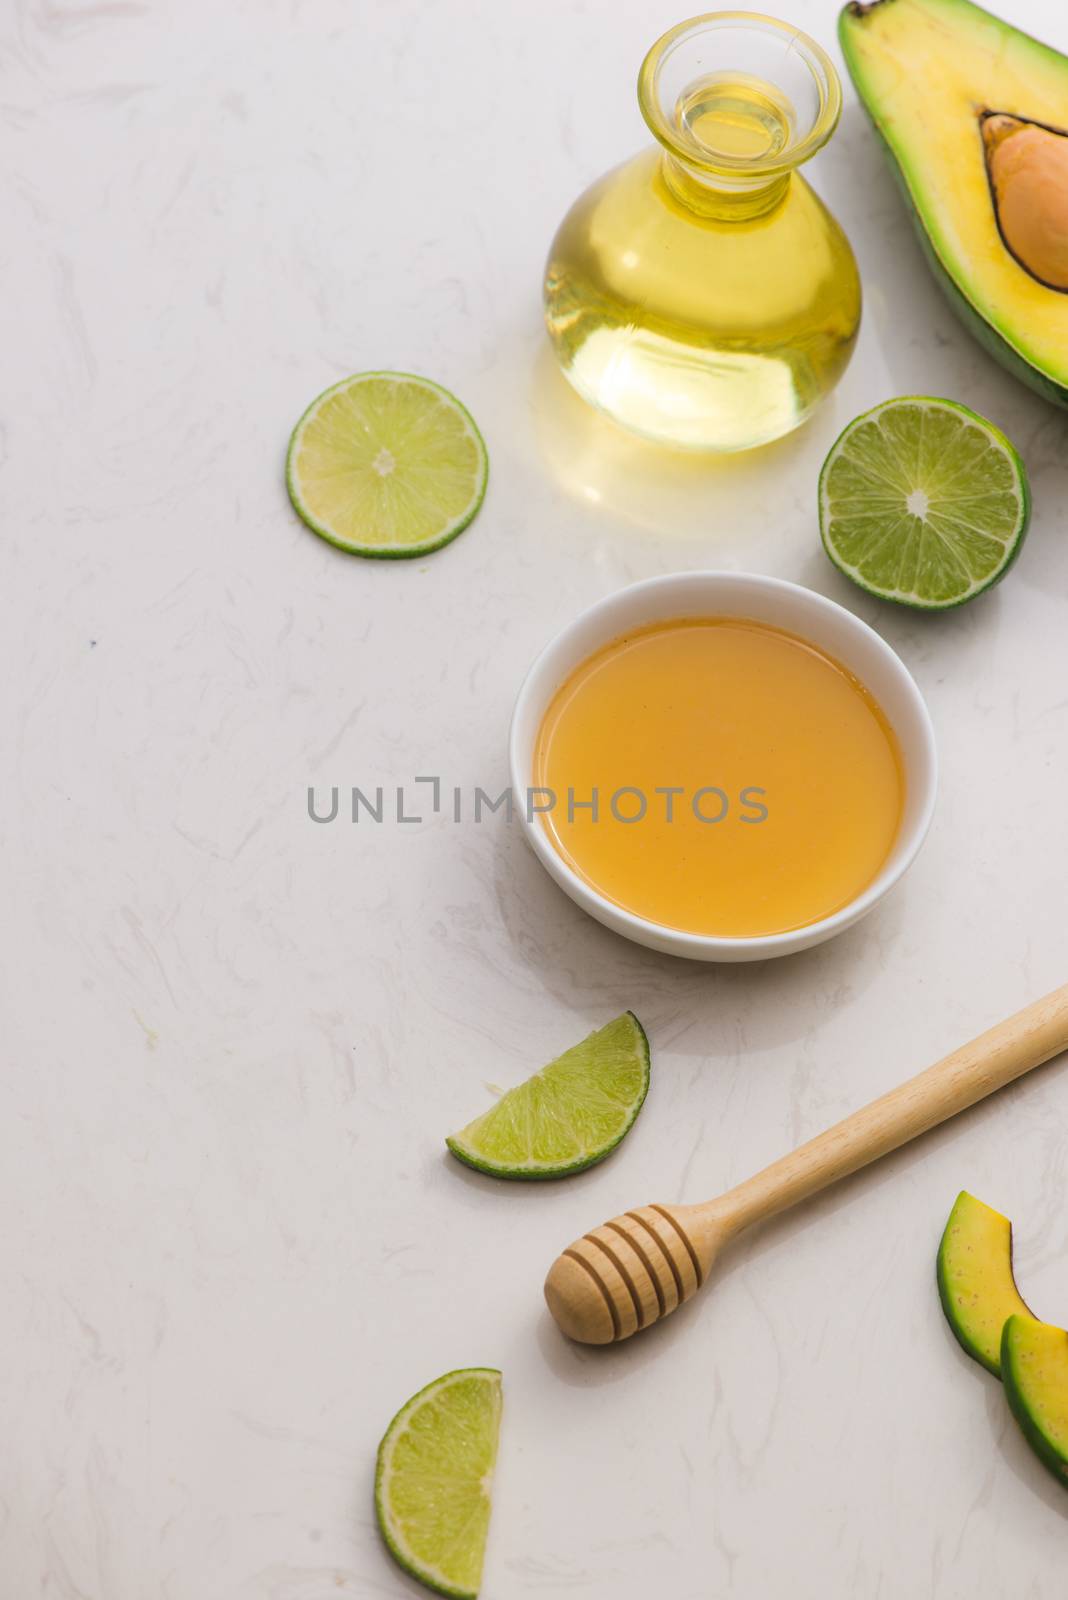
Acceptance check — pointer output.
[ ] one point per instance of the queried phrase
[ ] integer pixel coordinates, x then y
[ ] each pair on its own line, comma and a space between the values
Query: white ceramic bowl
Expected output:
732, 594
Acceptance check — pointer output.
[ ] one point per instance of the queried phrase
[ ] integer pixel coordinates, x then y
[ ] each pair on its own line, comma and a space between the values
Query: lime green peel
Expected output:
569, 1115
434, 1480
387, 464
923, 502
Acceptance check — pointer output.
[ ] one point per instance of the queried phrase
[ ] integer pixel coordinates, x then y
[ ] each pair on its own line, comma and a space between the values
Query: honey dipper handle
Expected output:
995, 1058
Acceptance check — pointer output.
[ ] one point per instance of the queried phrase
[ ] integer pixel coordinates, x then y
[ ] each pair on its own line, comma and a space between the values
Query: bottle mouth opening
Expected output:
739, 96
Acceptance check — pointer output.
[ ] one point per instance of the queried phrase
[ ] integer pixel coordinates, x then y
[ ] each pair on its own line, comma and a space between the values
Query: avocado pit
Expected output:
1027, 165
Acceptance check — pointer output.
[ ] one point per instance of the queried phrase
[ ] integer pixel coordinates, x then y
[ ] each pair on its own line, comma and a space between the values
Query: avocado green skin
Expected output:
1030, 1425
978, 325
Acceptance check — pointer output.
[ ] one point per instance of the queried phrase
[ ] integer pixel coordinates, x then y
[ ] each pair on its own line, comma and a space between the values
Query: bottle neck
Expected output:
725, 199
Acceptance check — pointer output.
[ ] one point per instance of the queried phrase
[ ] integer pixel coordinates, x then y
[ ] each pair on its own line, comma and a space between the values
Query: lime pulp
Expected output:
923, 502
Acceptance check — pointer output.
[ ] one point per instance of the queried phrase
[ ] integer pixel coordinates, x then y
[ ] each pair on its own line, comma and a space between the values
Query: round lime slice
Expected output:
923, 502
386, 464
569, 1115
434, 1481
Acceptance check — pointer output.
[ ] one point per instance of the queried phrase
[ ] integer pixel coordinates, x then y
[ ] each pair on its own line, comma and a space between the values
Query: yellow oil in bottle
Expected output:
702, 294
732, 114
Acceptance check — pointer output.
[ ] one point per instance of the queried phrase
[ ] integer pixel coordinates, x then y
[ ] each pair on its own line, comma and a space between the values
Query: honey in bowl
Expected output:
719, 776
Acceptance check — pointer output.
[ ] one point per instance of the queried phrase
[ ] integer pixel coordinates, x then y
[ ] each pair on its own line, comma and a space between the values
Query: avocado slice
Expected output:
1034, 1366
973, 113
975, 1281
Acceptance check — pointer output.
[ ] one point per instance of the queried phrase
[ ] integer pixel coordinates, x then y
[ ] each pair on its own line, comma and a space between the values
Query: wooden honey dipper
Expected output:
631, 1272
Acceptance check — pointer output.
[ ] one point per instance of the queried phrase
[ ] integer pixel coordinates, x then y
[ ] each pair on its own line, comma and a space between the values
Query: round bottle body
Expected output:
705, 320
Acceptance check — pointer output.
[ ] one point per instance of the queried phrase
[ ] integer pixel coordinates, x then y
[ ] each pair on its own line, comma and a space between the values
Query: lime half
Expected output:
386, 464
434, 1481
569, 1115
923, 502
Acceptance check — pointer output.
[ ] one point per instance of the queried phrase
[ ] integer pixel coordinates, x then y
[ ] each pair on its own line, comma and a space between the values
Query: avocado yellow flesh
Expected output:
936, 77
975, 1281
1034, 1365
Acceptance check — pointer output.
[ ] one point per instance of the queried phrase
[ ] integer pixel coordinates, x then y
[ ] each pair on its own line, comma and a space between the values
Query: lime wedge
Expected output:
923, 502
386, 464
569, 1115
434, 1480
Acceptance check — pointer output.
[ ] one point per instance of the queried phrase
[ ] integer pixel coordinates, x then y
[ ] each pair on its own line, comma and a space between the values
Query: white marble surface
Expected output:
232, 1241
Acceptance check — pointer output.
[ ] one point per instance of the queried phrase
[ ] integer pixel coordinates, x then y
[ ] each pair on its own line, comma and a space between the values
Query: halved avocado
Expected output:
975, 1281
975, 116
1034, 1366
